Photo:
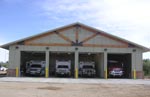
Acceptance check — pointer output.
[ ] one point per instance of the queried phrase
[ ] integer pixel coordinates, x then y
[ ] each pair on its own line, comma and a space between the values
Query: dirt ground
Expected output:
22, 89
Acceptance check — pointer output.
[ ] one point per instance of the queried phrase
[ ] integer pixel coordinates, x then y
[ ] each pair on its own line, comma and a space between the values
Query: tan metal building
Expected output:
76, 42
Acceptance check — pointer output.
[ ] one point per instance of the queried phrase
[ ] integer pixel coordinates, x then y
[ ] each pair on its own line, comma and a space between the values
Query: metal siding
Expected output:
45, 39
136, 57
11, 59
76, 63
84, 34
47, 57
18, 59
49, 39
14, 58
80, 49
133, 61
102, 64
69, 33
105, 65
32, 48
14, 54
105, 60
103, 40
139, 65
137, 60
6, 46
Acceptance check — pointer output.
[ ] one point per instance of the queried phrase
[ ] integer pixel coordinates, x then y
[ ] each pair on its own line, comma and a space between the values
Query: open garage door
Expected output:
61, 64
119, 66
32, 64
90, 65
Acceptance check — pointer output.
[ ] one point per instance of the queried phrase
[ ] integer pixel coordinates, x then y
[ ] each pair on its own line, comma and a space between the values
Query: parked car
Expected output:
3, 70
116, 71
35, 68
87, 69
115, 68
63, 68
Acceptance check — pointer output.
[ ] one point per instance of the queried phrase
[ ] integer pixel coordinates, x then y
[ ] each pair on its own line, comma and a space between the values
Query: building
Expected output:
76, 42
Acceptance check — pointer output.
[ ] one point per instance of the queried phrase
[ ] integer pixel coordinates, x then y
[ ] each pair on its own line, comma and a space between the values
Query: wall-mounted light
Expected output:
105, 49
89, 53
17, 47
47, 48
76, 48
134, 50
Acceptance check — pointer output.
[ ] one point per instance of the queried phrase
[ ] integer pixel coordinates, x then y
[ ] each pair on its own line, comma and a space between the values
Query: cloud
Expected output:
129, 19
67, 10
3, 55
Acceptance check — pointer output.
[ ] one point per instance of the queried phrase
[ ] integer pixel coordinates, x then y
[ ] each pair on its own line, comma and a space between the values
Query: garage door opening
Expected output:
119, 66
90, 65
32, 64
61, 64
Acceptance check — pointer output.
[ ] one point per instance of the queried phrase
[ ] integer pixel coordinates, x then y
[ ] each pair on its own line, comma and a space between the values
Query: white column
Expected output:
133, 68
47, 64
105, 65
17, 62
76, 63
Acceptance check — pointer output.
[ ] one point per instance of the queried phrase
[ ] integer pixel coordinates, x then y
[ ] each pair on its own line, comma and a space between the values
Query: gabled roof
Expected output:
6, 46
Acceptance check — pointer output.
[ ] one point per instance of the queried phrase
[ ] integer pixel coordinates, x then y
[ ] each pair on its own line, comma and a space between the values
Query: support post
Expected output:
133, 70
17, 62
106, 77
76, 63
76, 73
134, 75
17, 72
47, 65
105, 65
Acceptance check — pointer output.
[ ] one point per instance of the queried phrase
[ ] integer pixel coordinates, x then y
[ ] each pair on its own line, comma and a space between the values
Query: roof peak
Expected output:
71, 25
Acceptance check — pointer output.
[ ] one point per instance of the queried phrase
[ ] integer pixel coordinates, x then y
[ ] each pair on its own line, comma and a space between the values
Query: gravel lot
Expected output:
77, 81
26, 89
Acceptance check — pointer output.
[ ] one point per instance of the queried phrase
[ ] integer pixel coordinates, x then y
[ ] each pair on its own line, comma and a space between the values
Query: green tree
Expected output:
5, 64
146, 67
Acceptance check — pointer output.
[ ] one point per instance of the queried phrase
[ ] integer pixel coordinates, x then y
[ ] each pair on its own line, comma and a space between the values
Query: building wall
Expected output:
103, 41
49, 39
83, 34
14, 56
137, 64
70, 33
14, 61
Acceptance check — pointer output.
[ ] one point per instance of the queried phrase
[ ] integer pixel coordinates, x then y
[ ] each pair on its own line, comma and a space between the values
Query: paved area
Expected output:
78, 81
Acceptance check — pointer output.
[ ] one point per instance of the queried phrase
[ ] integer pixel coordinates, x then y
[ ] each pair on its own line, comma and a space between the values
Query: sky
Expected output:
128, 19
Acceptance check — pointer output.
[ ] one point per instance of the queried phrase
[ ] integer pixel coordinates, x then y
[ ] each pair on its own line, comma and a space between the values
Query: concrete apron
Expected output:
77, 81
